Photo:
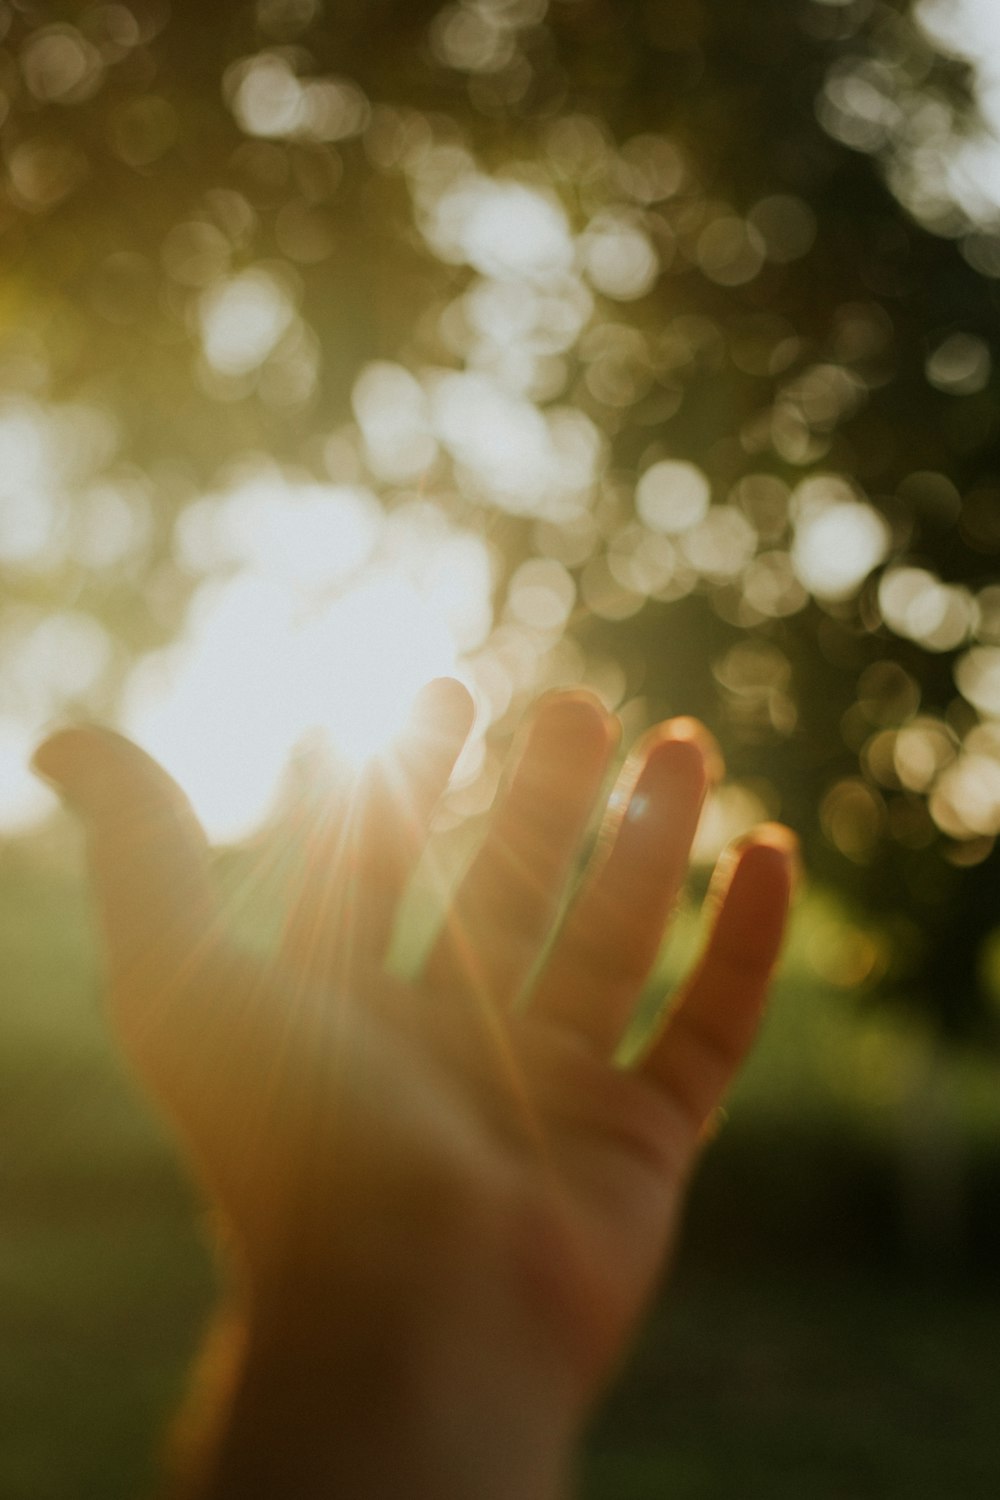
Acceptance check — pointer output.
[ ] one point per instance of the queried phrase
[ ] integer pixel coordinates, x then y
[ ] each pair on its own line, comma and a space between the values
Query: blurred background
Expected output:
649, 344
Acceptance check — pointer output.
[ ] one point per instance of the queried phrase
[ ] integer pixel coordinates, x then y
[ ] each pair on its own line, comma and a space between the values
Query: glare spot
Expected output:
921, 750
672, 496
60, 65
961, 365
988, 615
501, 442
111, 524
286, 16
838, 542
966, 801
214, 707
502, 228
764, 497
242, 320
305, 535
48, 661
547, 319
971, 162
917, 605
223, 708
332, 617
24, 800
852, 816
771, 587
392, 411
729, 812
639, 805
721, 545
27, 524
822, 396
335, 109
642, 561
977, 675
619, 257
857, 104
268, 99
472, 39
364, 660
29, 481
43, 171
541, 594
288, 378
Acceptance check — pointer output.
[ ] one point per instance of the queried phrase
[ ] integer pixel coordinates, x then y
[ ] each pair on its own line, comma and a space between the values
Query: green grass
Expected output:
838, 1386
828, 1332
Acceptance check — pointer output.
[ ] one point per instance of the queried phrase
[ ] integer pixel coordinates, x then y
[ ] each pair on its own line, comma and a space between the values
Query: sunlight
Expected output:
364, 661
839, 539
24, 801
501, 227
242, 320
332, 623
970, 29
225, 708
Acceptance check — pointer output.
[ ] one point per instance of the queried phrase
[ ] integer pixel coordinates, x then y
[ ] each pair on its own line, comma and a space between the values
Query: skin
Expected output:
445, 1205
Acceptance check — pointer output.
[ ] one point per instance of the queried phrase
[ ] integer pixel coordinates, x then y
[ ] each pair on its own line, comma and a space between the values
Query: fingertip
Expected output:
751, 892
672, 757
101, 773
690, 731
65, 757
771, 847
445, 700
575, 715
439, 721
682, 743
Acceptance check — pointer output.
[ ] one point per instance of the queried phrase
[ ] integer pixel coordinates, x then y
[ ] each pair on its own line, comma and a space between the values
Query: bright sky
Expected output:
315, 607
971, 28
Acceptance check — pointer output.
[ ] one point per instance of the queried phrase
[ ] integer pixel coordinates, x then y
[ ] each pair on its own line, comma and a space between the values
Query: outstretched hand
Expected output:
449, 1202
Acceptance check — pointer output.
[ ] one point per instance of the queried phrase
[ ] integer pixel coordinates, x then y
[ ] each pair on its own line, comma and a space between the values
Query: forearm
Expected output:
296, 1408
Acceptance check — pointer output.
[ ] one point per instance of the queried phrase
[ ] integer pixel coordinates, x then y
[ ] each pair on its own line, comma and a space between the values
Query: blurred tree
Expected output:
673, 304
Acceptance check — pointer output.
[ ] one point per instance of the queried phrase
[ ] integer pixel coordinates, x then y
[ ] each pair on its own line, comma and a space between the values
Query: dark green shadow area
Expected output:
832, 1330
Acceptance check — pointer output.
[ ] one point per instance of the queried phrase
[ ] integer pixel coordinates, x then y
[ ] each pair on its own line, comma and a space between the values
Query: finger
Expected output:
611, 937
148, 854
510, 896
397, 805
709, 1030
361, 856
314, 922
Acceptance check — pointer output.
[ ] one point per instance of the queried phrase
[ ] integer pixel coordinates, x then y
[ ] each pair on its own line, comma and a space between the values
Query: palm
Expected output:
359, 1131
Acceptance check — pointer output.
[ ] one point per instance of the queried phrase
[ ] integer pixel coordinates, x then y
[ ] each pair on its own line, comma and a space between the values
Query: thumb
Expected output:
148, 853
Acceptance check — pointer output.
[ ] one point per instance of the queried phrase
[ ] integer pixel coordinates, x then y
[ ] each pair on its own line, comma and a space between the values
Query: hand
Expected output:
450, 1203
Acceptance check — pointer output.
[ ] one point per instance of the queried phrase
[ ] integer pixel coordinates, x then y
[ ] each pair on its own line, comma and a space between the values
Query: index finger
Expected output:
709, 1031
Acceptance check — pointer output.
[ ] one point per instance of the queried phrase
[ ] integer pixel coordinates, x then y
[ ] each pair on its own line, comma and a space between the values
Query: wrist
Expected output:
345, 1401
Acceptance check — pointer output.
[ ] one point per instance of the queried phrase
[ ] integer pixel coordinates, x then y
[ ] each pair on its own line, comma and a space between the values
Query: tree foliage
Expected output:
562, 274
